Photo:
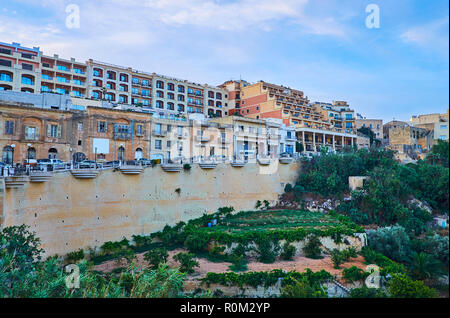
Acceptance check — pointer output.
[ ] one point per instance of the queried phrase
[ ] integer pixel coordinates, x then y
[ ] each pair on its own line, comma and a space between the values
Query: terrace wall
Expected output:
69, 213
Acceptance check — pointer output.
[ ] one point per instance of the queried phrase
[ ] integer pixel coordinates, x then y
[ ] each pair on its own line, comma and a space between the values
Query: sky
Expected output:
322, 47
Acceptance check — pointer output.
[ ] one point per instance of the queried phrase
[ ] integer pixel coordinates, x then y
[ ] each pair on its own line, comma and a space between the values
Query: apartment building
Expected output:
27, 132
63, 76
20, 68
376, 125
170, 139
337, 113
249, 137
141, 89
174, 96
437, 123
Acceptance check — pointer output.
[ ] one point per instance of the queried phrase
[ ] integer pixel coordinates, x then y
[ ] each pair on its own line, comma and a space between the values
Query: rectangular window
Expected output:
158, 128
5, 63
5, 51
31, 133
139, 130
180, 130
53, 131
168, 143
158, 144
80, 126
9, 127
169, 128
102, 127
27, 67
27, 56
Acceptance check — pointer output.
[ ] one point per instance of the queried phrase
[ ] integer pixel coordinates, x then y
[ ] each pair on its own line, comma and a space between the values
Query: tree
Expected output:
312, 248
303, 289
156, 256
439, 153
401, 286
187, 262
390, 241
299, 147
424, 266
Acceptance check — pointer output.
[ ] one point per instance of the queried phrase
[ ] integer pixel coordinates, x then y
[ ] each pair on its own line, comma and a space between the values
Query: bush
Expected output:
75, 256
336, 258
288, 252
401, 286
392, 241
365, 292
354, 274
312, 248
288, 188
187, 167
303, 289
268, 250
197, 242
187, 262
156, 256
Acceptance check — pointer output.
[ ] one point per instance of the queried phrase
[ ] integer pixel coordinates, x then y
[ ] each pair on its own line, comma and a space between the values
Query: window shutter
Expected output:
26, 132
49, 130
37, 134
98, 126
106, 126
58, 133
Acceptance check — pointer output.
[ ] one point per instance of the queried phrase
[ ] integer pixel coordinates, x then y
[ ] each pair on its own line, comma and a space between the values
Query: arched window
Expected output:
219, 113
170, 106
138, 154
27, 79
52, 153
159, 104
6, 76
8, 155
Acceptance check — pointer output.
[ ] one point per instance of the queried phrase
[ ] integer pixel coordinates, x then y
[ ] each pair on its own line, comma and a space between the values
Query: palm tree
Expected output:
424, 266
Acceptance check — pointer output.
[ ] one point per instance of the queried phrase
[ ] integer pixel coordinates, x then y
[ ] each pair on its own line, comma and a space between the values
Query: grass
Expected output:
271, 220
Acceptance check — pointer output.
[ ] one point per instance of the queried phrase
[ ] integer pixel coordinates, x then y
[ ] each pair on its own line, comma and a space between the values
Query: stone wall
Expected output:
69, 213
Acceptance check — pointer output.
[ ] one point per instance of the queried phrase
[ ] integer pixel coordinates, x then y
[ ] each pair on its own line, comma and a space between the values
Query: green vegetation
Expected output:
312, 248
288, 252
354, 274
23, 274
156, 256
401, 286
187, 262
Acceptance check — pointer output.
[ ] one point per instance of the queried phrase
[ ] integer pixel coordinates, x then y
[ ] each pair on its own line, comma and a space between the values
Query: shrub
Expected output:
354, 274
401, 286
288, 251
365, 292
187, 167
187, 262
390, 241
312, 248
336, 258
197, 241
267, 250
303, 289
156, 256
75, 256
288, 188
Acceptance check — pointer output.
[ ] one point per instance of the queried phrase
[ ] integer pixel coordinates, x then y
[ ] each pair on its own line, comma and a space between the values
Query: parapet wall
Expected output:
68, 213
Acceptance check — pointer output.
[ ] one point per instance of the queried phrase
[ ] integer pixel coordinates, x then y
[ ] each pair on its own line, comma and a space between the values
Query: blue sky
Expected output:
321, 47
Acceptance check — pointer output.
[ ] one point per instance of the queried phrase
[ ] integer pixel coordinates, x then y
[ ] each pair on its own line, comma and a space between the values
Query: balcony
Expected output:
202, 138
122, 135
159, 133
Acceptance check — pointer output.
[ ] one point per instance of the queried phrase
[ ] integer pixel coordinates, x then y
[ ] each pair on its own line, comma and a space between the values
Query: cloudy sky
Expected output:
322, 47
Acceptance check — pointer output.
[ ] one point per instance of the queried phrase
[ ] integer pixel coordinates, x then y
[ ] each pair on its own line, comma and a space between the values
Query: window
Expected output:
80, 126
145, 83
9, 127
160, 94
5, 63
218, 96
170, 96
79, 142
181, 98
5, 51
62, 68
158, 144
53, 131
145, 102
180, 130
27, 80
123, 78
159, 84
170, 106
180, 108
31, 133
169, 128
6, 77
443, 126
102, 127
348, 116
169, 144
27, 67
145, 92
158, 128
159, 104
170, 87
190, 90
135, 91
198, 93
180, 89
135, 80
140, 130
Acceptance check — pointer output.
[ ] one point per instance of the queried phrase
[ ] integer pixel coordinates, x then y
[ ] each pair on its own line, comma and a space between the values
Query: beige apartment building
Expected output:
376, 125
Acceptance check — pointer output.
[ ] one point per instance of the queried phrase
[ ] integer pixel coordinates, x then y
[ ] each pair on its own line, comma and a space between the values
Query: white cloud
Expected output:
433, 35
